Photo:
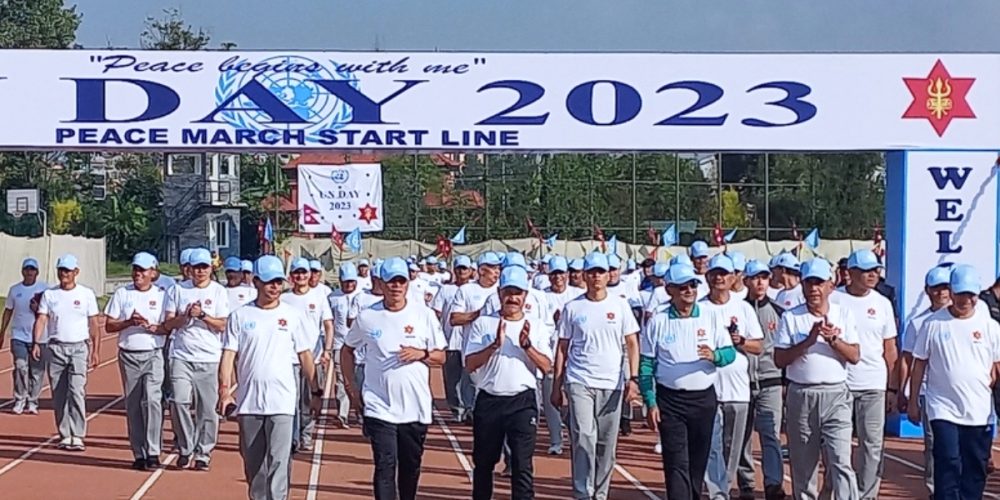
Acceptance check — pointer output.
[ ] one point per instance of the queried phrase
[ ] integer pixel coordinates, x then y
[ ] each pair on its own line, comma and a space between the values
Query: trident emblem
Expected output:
939, 97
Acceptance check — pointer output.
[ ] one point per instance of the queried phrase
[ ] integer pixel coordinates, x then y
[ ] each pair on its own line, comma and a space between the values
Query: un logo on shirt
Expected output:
670, 338
249, 325
580, 320
375, 334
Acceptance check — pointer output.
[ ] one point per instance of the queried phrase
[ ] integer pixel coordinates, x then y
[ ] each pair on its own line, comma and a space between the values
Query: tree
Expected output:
65, 213
171, 33
37, 24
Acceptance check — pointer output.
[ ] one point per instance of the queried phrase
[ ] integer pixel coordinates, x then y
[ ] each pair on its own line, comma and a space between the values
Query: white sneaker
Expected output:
555, 449
77, 444
33, 408
344, 423
65, 443
19, 407
658, 449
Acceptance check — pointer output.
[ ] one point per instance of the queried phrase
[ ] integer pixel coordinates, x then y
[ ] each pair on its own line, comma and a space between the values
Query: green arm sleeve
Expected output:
725, 355
647, 384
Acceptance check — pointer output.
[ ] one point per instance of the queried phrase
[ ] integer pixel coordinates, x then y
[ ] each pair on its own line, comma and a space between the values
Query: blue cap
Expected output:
377, 262
299, 263
411, 259
739, 261
614, 261
413, 267
681, 259
547, 258
938, 275
817, 268
864, 260
576, 265
393, 268
515, 259
442, 265
630, 265
67, 261
699, 249
679, 274
269, 268
514, 276
596, 260
29, 262
376, 273
489, 259
315, 265
364, 262
558, 264
756, 268
964, 279
232, 264
144, 260
785, 260
348, 272
432, 260
462, 261
246, 266
186, 256
200, 256
660, 269
721, 262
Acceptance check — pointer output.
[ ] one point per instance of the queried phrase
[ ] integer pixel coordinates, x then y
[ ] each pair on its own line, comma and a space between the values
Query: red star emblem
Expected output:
208, 302
368, 213
871, 311
611, 316
734, 320
76, 303
312, 306
282, 323
976, 335
701, 332
152, 303
772, 326
939, 98
408, 329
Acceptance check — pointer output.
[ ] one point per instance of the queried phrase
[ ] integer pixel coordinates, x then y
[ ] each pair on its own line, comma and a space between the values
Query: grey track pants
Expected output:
266, 448
68, 378
142, 381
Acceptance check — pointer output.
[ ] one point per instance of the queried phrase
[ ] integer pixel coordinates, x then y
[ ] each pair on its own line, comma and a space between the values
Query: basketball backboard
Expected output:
22, 201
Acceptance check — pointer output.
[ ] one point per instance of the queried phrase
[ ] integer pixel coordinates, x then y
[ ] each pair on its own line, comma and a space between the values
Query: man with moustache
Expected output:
504, 366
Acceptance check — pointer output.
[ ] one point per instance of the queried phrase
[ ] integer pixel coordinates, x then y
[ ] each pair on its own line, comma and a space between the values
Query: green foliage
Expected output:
64, 214
37, 24
170, 32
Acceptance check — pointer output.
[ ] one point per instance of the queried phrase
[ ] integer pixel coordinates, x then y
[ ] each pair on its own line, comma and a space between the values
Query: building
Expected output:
201, 203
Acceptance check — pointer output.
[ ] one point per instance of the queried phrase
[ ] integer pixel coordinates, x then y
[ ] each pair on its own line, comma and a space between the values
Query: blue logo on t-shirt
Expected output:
670, 338
249, 324
375, 334
580, 320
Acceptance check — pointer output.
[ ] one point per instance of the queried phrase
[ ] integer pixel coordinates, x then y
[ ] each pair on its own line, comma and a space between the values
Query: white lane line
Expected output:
317, 456
28, 454
47, 387
455, 446
11, 368
920, 468
636, 483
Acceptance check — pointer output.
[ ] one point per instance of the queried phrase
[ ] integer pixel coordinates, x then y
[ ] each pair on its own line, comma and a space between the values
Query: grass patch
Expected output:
117, 269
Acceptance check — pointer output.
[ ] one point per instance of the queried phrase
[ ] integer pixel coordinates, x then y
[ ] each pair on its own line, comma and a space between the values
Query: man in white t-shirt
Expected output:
937, 287
364, 276
361, 301
259, 341
732, 386
814, 344
239, 294
317, 278
21, 306
630, 294
160, 280
67, 314
739, 289
699, 260
869, 378
596, 331
786, 268
340, 305
246, 267
402, 341
957, 354
682, 350
465, 308
196, 312
504, 353
575, 275
452, 369
314, 305
557, 294
136, 313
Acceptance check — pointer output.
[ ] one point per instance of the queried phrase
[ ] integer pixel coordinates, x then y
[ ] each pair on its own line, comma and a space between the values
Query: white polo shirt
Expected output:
540, 282
596, 334
739, 294
149, 304
22, 317
361, 301
419, 289
264, 340
733, 384
820, 364
340, 306
323, 288
558, 300
165, 282
914, 330
69, 313
240, 295
673, 342
702, 286
791, 297
509, 371
470, 297
960, 355
876, 322
195, 342
442, 303
316, 309
394, 391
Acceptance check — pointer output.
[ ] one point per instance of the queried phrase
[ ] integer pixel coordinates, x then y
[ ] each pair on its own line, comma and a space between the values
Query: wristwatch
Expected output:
634, 379
202, 315
318, 393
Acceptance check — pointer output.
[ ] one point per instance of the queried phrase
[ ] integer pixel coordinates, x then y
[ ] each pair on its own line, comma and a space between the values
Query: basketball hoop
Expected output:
17, 214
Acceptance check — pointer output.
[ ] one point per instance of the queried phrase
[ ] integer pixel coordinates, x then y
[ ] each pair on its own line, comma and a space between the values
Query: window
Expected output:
227, 165
183, 164
221, 233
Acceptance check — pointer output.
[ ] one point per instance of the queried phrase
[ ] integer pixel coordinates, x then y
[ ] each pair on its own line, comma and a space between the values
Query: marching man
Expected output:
260, 340
594, 330
21, 306
136, 312
402, 339
67, 313
503, 365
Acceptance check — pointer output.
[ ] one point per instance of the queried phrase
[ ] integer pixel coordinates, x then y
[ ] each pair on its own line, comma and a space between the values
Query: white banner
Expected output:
942, 209
342, 196
292, 101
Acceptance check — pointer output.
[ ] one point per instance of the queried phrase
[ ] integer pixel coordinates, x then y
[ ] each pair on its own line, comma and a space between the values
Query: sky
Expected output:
565, 25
